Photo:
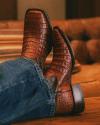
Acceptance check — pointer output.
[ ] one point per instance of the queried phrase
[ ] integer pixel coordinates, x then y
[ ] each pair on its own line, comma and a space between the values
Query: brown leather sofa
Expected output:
84, 35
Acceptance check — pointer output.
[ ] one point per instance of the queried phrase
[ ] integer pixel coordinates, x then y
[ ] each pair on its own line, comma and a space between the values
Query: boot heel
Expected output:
79, 105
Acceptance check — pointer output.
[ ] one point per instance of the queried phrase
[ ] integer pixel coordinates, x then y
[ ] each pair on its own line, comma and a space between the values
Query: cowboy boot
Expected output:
37, 36
69, 99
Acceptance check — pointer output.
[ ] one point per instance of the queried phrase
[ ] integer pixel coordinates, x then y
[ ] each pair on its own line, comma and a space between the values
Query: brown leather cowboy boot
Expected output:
37, 36
69, 99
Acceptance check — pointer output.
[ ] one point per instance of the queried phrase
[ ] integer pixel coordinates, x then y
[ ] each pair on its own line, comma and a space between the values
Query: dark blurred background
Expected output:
82, 8
57, 9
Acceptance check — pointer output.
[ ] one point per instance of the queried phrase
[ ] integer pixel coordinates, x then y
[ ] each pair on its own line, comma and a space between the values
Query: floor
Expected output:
91, 116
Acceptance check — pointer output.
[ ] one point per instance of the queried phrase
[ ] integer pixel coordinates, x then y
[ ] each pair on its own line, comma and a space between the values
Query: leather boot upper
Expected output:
37, 36
61, 67
63, 59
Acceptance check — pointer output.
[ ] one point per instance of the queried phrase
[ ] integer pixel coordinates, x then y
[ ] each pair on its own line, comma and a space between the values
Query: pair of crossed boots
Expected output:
39, 39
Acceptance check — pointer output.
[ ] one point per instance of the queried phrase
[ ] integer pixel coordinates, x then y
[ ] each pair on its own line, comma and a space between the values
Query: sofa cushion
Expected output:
84, 35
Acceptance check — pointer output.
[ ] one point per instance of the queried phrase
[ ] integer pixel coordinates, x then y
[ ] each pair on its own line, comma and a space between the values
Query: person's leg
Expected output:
24, 92
69, 98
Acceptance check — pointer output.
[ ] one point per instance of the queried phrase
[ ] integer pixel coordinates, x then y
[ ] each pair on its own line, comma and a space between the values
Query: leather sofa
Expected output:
84, 35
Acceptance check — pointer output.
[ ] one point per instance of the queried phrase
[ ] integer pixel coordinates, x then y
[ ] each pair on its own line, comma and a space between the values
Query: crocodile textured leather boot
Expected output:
69, 99
37, 36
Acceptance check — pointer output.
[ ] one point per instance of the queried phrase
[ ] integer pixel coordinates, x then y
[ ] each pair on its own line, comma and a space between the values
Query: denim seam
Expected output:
52, 98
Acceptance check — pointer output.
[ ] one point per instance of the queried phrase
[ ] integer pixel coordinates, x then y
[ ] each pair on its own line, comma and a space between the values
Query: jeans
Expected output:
24, 92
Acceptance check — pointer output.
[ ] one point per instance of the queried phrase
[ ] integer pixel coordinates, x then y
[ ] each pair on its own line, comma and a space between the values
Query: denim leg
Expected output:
24, 92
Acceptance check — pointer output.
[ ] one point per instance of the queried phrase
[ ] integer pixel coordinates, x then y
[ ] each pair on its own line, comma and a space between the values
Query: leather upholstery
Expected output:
85, 38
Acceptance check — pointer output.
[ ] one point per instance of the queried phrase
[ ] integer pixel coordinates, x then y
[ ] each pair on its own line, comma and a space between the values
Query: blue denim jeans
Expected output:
24, 92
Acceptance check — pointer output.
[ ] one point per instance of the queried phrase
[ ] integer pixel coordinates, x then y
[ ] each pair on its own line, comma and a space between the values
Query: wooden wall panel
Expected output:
8, 9
82, 8
97, 7
55, 8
